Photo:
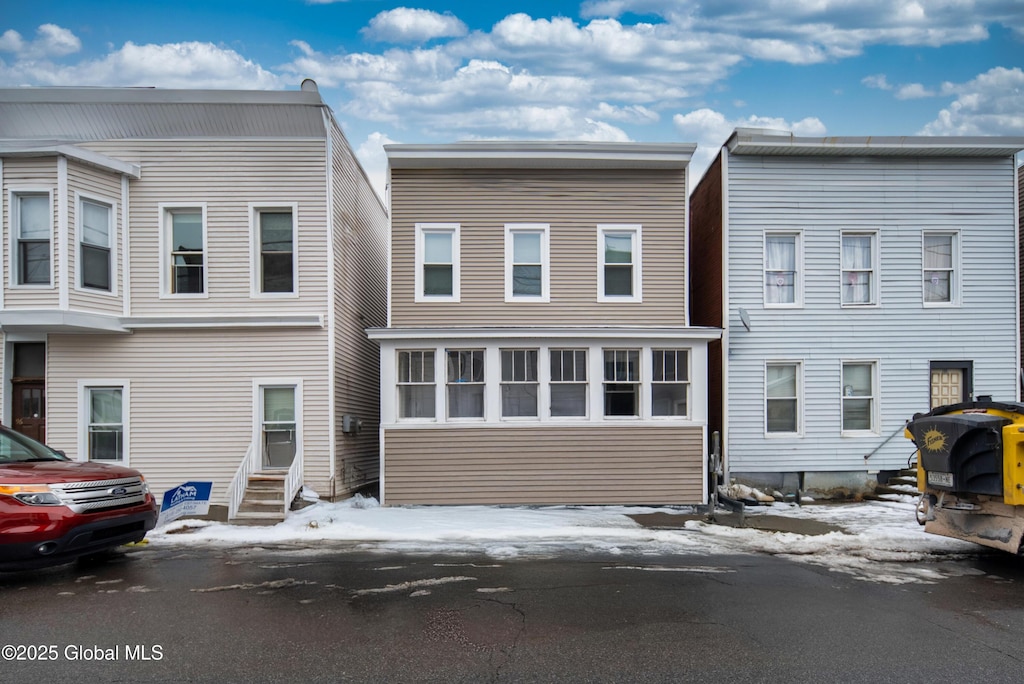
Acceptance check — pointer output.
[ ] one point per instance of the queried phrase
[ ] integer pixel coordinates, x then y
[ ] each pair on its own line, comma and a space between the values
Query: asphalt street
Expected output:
217, 614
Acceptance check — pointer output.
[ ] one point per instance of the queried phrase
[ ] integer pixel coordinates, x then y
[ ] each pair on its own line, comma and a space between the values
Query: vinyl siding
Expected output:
227, 176
34, 174
573, 203
360, 301
191, 397
899, 198
556, 465
106, 186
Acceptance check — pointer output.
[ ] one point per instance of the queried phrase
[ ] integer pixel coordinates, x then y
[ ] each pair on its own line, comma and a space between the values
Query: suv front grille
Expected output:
83, 497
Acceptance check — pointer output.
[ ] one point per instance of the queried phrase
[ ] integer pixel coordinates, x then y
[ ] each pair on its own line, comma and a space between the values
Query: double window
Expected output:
939, 267
859, 276
526, 263
184, 250
95, 222
32, 219
619, 264
437, 262
275, 258
781, 269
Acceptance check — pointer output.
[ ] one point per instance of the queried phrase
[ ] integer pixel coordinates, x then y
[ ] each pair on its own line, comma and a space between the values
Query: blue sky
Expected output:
609, 70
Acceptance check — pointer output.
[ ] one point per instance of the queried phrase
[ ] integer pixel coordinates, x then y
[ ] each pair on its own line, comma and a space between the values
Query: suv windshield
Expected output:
17, 448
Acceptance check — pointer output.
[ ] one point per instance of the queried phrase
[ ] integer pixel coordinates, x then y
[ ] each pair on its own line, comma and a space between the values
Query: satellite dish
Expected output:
744, 318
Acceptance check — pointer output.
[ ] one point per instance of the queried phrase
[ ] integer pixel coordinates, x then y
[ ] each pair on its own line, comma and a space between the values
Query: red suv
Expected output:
53, 510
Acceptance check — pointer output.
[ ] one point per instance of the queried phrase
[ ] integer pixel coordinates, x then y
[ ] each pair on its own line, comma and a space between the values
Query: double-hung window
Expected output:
622, 382
568, 383
781, 269
859, 269
185, 250
279, 427
782, 406
95, 240
526, 263
858, 396
437, 262
105, 423
416, 384
939, 260
465, 383
670, 382
275, 251
619, 264
33, 221
519, 383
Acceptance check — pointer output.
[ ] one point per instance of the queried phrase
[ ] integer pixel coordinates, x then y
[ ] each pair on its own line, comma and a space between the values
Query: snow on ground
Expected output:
879, 540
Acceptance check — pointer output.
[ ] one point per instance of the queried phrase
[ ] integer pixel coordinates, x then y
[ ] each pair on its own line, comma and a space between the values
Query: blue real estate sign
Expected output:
191, 498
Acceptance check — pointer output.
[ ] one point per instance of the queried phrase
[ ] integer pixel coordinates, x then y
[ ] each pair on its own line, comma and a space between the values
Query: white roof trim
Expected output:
674, 333
771, 142
541, 154
26, 148
283, 321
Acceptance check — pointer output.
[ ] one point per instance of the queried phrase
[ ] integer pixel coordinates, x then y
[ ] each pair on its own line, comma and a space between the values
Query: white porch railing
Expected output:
240, 481
293, 481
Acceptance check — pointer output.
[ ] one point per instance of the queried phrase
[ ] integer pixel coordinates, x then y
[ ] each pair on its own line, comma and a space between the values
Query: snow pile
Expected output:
880, 540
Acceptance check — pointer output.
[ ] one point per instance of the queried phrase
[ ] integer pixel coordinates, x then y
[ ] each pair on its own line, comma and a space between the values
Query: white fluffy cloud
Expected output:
51, 41
407, 25
990, 104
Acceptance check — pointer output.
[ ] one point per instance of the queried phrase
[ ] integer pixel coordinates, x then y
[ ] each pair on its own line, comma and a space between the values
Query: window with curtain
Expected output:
780, 270
938, 260
858, 396
465, 383
670, 385
279, 426
277, 251
186, 232
95, 241
781, 399
35, 230
622, 382
858, 268
568, 383
416, 386
519, 383
106, 423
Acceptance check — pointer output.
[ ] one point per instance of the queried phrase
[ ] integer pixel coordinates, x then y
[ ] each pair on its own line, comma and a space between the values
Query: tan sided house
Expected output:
186, 278
538, 347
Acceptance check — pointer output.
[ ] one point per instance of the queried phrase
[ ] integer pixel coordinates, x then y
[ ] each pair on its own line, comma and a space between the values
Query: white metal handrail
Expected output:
236, 491
293, 481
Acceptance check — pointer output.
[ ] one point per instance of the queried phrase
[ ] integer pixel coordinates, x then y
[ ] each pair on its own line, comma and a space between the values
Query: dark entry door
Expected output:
29, 408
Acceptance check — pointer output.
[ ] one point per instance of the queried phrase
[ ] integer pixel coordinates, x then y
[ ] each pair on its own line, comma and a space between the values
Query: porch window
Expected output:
519, 383
568, 383
622, 382
416, 384
670, 384
465, 383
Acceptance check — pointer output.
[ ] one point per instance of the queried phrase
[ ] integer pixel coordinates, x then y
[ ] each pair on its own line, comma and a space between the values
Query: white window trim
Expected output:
14, 231
955, 290
799, 398
648, 364
876, 393
84, 386
256, 264
798, 284
643, 382
258, 385
165, 209
114, 215
876, 269
635, 231
492, 395
539, 383
546, 383
455, 230
545, 259
398, 384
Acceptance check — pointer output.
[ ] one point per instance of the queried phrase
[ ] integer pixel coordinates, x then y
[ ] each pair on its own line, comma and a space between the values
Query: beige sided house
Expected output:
538, 347
186, 277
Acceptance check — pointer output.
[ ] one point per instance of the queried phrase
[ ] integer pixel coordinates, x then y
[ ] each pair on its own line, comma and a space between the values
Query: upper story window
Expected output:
184, 256
939, 265
32, 220
416, 384
95, 239
465, 383
670, 382
568, 383
526, 263
275, 264
519, 383
859, 269
781, 269
619, 264
437, 262
622, 382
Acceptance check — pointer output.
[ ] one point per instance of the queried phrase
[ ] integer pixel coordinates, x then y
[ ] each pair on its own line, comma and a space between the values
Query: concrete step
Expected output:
258, 518
275, 506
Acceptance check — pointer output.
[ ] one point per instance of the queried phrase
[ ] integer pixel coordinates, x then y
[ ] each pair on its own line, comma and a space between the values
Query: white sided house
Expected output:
538, 347
859, 281
186, 276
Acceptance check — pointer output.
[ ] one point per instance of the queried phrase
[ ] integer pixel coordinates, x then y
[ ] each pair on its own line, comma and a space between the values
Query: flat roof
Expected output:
757, 141
541, 154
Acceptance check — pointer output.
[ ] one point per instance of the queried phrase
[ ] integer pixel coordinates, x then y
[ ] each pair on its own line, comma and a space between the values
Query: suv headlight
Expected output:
33, 495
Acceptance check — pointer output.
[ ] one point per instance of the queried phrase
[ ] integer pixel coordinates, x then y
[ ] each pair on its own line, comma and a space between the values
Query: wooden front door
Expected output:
28, 410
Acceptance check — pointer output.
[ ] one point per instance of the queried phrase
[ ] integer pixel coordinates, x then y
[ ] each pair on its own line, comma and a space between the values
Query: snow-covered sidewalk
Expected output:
877, 540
